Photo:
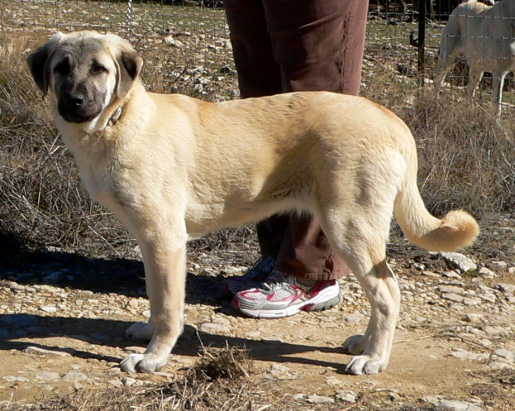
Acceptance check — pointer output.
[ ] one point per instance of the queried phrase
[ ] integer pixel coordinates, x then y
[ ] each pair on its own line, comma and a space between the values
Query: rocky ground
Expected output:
62, 317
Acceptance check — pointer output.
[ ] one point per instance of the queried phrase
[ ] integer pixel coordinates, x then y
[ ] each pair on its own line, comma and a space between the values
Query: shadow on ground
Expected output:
191, 343
99, 275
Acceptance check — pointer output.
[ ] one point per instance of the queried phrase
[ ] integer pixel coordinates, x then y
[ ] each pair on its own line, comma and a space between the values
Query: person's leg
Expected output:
319, 43
319, 46
259, 74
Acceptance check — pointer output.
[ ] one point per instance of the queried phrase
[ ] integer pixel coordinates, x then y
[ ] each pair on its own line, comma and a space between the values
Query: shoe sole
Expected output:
292, 309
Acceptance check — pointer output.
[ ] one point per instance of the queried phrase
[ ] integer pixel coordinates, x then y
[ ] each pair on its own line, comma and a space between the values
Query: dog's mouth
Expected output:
77, 115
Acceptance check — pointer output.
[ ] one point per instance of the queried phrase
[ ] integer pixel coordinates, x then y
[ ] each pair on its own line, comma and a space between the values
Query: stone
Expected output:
473, 318
496, 330
506, 288
116, 383
47, 376
74, 376
319, 399
214, 328
280, 372
490, 297
500, 365
502, 265
48, 308
454, 405
451, 274
471, 301
14, 379
453, 297
42, 351
450, 289
509, 356
486, 272
347, 396
470, 356
334, 381
460, 261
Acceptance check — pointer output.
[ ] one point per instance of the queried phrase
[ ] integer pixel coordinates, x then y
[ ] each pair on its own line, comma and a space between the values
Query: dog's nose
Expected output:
77, 99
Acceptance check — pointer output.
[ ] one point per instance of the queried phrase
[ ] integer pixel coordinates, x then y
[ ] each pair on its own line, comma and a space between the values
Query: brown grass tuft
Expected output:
220, 381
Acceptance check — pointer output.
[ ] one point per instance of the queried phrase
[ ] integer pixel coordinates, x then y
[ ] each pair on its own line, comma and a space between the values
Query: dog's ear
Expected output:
39, 62
128, 64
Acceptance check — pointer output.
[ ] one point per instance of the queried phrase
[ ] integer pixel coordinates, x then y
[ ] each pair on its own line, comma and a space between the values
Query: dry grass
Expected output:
466, 155
219, 381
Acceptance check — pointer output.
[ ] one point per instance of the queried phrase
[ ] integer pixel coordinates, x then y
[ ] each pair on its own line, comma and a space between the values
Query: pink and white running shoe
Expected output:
283, 296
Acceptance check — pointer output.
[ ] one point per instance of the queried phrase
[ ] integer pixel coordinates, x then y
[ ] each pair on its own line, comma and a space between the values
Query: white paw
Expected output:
142, 363
140, 332
355, 345
364, 364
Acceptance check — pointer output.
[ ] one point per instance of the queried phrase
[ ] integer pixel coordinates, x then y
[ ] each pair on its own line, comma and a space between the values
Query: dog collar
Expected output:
116, 116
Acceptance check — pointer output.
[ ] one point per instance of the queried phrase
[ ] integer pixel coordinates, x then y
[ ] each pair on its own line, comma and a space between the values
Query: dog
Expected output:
173, 168
486, 36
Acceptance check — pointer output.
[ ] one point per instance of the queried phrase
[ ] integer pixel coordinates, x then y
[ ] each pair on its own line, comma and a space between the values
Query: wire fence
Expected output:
192, 36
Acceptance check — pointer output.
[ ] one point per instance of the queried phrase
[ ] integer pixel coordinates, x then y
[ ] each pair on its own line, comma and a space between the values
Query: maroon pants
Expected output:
298, 45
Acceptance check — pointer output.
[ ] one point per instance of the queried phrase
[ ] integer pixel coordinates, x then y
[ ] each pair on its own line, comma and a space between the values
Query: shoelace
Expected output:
274, 282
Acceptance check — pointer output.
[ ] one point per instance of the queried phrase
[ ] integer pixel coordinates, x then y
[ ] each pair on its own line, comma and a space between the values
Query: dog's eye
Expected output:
98, 69
63, 68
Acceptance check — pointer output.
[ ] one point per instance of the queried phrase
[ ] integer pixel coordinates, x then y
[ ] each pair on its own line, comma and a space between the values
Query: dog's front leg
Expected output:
498, 76
475, 76
165, 268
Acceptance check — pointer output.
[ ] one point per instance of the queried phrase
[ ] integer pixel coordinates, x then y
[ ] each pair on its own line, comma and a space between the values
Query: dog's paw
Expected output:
354, 345
142, 363
364, 364
140, 332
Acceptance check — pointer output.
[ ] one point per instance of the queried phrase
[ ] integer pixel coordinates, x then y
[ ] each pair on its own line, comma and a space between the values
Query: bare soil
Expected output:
81, 306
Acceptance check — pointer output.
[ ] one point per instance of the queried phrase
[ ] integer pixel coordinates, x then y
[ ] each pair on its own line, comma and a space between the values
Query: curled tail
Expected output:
457, 229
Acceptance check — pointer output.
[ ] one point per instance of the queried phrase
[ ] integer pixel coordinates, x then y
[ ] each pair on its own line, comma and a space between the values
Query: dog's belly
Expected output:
204, 219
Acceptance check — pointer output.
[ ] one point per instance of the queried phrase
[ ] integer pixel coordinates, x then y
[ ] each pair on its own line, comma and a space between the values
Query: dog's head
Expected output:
84, 72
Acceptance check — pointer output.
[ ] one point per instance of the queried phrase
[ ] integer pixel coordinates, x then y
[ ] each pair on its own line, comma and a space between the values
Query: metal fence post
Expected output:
421, 39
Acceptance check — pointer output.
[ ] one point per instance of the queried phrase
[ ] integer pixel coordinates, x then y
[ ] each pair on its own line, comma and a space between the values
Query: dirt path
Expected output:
454, 341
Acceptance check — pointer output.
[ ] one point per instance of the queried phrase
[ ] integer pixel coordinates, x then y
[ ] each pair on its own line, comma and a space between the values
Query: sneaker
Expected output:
282, 296
258, 273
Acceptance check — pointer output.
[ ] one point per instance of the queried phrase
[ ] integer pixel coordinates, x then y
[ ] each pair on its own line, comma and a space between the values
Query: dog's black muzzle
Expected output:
77, 108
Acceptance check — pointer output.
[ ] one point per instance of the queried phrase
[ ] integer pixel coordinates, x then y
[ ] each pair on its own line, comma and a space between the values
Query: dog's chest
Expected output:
96, 171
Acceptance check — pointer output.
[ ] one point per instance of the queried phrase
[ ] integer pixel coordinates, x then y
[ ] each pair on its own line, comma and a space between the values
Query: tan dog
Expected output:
486, 36
172, 168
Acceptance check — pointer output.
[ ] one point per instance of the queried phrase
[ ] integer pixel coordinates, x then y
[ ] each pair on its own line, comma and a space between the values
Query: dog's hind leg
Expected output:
497, 88
372, 350
361, 242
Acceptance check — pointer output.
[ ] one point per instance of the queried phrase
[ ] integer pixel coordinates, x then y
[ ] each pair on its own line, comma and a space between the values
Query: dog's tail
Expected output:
457, 229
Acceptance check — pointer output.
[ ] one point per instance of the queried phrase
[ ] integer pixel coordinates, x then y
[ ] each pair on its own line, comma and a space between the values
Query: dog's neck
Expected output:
116, 116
